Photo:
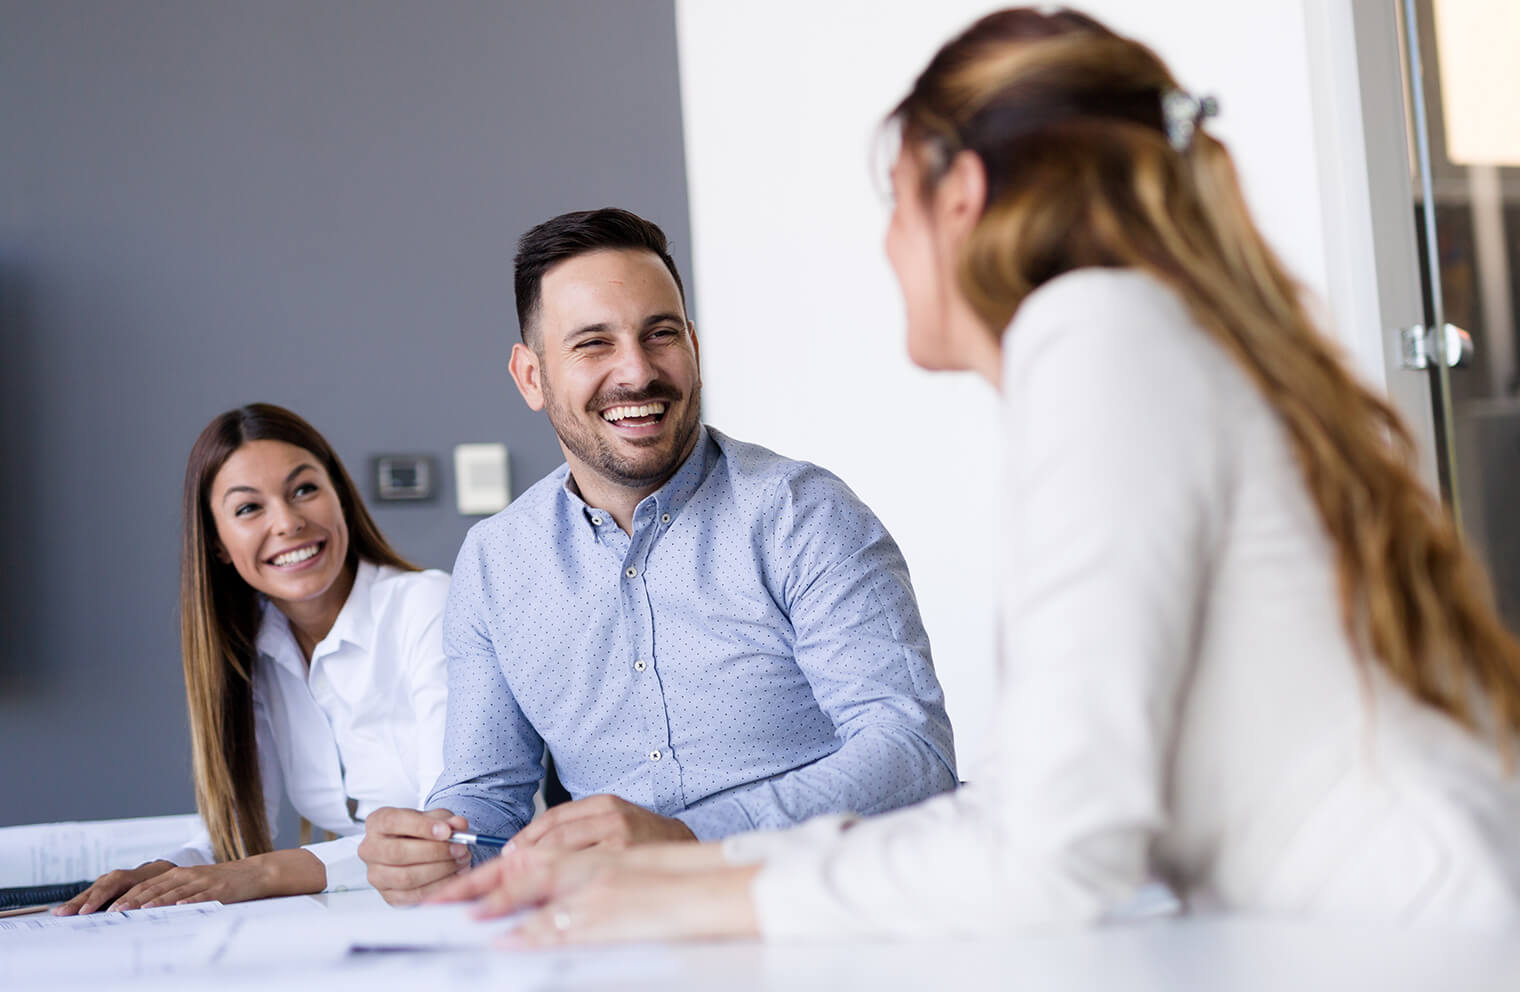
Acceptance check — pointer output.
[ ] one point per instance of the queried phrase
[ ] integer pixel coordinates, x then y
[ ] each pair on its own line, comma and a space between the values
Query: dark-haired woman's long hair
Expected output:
219, 622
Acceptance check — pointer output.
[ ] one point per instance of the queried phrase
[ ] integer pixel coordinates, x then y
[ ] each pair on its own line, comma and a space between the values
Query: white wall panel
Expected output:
800, 322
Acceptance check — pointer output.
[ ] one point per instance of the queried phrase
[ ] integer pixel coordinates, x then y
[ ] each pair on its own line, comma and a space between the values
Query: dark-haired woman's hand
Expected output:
279, 873
111, 885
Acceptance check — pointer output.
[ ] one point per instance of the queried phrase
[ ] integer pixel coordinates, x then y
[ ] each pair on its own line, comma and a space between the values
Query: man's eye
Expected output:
590, 343
665, 333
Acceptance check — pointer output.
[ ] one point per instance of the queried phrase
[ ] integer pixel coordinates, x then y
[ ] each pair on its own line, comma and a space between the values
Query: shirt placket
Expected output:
664, 773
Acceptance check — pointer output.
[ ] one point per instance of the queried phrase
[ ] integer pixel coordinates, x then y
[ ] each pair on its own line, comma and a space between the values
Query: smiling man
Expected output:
709, 638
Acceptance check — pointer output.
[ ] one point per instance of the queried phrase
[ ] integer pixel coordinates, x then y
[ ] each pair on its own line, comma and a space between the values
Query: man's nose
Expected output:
634, 368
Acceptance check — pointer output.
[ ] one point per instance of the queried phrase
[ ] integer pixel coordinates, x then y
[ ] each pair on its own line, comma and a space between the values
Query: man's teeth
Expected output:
624, 412
298, 555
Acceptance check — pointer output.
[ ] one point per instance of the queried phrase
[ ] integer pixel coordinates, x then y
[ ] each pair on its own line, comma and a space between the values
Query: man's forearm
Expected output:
881, 767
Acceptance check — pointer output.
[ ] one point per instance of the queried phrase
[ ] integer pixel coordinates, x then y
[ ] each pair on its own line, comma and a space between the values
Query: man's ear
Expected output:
528, 375
961, 195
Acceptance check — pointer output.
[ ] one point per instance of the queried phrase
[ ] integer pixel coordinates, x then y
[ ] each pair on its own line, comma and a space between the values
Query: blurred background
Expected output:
315, 203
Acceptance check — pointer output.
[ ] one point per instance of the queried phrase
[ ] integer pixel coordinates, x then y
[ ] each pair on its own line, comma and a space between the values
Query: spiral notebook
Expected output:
22, 896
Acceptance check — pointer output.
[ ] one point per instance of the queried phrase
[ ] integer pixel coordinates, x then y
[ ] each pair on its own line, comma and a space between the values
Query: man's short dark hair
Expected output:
577, 233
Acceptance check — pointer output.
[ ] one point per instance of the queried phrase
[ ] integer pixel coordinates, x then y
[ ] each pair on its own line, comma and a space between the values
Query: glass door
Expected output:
1462, 84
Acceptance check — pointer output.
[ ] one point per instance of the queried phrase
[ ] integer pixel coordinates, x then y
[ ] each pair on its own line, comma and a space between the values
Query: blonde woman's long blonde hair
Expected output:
1066, 117
219, 623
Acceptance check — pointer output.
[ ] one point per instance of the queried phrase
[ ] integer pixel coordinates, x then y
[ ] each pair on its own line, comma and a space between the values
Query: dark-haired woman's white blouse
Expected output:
360, 727
1178, 697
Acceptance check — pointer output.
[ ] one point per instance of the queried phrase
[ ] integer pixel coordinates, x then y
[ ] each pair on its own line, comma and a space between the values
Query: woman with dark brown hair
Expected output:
313, 656
1243, 651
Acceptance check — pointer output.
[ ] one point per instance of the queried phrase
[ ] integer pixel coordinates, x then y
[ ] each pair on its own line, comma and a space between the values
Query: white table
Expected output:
1221, 954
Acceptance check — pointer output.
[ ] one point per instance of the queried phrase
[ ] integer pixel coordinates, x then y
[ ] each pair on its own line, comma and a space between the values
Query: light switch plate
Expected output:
481, 478
403, 477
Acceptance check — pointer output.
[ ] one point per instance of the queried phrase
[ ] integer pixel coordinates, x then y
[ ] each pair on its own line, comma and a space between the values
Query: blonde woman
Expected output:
1243, 651
313, 660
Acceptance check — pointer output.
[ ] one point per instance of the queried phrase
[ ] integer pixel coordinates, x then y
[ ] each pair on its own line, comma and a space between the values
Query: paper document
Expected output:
48, 853
422, 928
137, 919
137, 943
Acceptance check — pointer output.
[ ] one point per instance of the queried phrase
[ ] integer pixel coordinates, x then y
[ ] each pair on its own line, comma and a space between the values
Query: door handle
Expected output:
1418, 347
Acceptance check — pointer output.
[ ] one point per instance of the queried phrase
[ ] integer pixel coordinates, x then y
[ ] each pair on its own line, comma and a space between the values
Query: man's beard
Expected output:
651, 467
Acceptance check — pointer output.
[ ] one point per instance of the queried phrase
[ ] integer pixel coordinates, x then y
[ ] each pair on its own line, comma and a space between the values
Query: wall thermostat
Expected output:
403, 477
481, 480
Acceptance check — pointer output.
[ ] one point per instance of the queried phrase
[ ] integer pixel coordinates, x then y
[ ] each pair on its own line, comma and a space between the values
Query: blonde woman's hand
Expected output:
107, 887
615, 902
522, 877
600, 894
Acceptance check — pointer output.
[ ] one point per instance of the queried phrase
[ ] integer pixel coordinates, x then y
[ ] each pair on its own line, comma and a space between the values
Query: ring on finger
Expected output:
561, 920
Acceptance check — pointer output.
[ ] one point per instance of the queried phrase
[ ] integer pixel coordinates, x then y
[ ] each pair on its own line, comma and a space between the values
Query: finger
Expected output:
449, 819
538, 930
528, 886
586, 832
123, 883
171, 895
542, 823
471, 884
392, 821
402, 851
454, 820
139, 894
130, 898
105, 888
411, 896
405, 883
178, 890
187, 895
557, 816
204, 895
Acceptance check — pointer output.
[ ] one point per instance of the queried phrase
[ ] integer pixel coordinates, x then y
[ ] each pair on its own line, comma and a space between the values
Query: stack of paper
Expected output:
47, 853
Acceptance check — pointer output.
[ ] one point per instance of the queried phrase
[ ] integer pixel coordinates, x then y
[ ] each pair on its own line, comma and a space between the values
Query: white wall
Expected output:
800, 322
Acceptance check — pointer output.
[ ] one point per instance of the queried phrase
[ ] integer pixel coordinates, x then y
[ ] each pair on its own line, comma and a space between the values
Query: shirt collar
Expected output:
354, 624
666, 500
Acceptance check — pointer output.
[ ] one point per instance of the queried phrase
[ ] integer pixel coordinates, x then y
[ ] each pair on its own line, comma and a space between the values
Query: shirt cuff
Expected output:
345, 869
185, 857
484, 818
716, 820
794, 902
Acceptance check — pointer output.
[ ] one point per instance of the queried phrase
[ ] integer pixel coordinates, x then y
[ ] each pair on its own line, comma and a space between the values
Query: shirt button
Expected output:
639, 665
632, 572
597, 521
654, 756
664, 518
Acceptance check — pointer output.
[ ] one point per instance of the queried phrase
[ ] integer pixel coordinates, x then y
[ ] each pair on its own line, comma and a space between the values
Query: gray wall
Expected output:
310, 202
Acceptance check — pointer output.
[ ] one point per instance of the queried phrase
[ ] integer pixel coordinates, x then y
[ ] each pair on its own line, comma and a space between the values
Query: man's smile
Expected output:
635, 415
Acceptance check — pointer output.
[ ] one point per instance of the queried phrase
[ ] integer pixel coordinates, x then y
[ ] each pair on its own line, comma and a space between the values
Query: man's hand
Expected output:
598, 821
408, 852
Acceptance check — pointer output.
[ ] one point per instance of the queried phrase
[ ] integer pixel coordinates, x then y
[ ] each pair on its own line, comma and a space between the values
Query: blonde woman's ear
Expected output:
961, 193
222, 555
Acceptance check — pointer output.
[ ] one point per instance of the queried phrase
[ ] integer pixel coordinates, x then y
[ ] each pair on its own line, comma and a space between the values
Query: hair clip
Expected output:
1184, 113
